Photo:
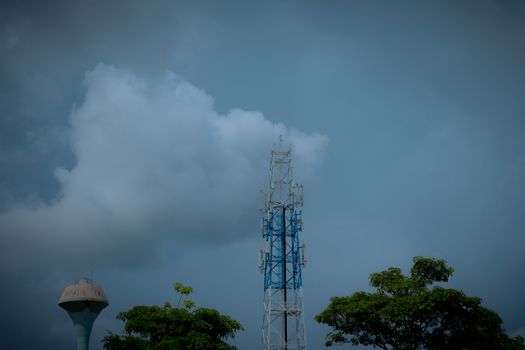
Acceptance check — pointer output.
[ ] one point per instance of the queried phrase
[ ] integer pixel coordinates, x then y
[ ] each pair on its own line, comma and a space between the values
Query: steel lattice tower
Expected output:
282, 257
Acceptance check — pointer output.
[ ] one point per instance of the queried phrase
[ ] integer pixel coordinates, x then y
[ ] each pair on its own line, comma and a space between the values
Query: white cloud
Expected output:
153, 159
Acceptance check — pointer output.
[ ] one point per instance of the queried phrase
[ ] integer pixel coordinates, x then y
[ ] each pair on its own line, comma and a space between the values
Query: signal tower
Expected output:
282, 257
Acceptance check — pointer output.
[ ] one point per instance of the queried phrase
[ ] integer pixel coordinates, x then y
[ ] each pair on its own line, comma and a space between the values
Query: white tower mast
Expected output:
282, 257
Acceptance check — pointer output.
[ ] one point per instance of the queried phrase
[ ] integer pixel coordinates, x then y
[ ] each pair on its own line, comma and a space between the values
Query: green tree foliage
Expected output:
183, 290
411, 312
169, 328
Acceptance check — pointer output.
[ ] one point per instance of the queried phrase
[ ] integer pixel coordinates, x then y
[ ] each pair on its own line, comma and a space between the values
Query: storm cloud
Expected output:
152, 159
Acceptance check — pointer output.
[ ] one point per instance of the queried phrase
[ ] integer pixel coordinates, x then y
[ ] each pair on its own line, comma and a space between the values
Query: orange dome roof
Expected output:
83, 290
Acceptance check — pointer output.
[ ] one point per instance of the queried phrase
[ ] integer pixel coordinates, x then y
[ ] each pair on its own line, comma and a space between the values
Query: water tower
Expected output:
83, 301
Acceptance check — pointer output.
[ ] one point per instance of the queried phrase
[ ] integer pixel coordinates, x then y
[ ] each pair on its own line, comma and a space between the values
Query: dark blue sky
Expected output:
134, 140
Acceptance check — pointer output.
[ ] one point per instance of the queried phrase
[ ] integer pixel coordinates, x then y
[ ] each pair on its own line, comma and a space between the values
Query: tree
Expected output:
411, 312
169, 328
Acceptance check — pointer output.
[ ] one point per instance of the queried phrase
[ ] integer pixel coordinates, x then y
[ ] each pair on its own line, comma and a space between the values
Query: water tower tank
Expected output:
83, 301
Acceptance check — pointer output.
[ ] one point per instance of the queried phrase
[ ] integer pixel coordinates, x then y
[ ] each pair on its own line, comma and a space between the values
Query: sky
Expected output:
135, 139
